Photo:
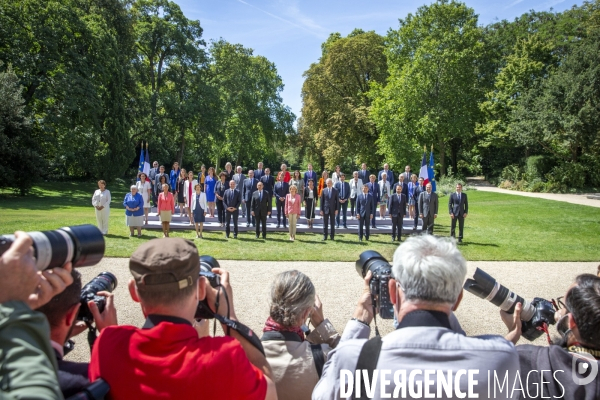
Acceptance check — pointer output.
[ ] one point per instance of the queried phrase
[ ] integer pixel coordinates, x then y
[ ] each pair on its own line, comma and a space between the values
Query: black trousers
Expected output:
235, 215
364, 223
249, 217
261, 219
220, 211
352, 206
416, 214
281, 212
428, 223
461, 225
329, 218
342, 212
397, 225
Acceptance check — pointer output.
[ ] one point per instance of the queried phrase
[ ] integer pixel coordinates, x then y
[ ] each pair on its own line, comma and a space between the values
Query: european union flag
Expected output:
430, 170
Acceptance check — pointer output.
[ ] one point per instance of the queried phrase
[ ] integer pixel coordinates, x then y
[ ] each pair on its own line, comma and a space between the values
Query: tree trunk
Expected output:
454, 156
182, 147
442, 158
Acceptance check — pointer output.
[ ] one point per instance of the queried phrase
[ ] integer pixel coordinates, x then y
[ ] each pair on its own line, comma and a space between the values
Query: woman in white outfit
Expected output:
384, 194
145, 189
356, 185
101, 202
188, 191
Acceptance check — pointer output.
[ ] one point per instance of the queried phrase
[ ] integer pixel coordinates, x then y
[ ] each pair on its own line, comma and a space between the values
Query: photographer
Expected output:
428, 274
26, 357
295, 354
61, 312
166, 358
546, 371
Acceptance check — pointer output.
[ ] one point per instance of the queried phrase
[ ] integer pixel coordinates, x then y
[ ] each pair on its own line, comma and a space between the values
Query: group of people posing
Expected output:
231, 193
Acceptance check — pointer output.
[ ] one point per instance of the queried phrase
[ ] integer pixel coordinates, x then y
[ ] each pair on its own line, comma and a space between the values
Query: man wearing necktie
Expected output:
364, 212
239, 179
310, 174
281, 190
261, 208
343, 189
248, 190
259, 171
458, 206
329, 208
397, 207
231, 202
404, 185
428, 207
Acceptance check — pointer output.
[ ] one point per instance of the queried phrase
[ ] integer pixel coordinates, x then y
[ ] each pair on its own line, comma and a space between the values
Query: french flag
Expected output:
423, 173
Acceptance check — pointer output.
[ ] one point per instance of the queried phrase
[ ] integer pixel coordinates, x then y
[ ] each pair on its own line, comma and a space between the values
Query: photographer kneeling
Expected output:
424, 355
166, 358
564, 369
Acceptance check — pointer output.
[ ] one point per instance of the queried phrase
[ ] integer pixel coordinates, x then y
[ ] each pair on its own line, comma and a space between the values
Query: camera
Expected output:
534, 314
106, 282
382, 272
83, 245
207, 264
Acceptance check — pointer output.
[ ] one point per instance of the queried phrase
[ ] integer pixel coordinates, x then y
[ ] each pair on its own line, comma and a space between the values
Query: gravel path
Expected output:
580, 199
339, 286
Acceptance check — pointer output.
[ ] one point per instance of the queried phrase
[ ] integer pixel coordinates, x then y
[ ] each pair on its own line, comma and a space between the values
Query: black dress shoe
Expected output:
278, 226
459, 240
324, 238
337, 227
247, 225
235, 236
345, 227
332, 238
393, 238
360, 239
257, 236
264, 237
227, 236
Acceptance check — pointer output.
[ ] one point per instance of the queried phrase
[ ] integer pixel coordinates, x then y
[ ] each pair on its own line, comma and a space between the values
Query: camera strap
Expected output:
243, 330
367, 360
316, 349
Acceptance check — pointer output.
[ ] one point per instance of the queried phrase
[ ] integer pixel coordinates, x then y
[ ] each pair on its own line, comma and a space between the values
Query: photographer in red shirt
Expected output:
166, 358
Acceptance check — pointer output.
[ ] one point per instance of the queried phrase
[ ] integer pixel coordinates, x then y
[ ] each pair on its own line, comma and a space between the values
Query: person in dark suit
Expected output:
374, 191
261, 208
248, 189
310, 174
268, 181
259, 171
343, 189
239, 179
365, 210
397, 207
389, 174
416, 194
364, 173
407, 175
220, 189
458, 207
428, 207
329, 208
281, 190
152, 176
403, 184
232, 201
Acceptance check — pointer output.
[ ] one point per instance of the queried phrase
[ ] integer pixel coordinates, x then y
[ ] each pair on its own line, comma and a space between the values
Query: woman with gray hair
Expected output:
297, 361
134, 210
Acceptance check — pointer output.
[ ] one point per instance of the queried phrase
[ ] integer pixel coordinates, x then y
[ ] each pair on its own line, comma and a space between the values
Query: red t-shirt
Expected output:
169, 361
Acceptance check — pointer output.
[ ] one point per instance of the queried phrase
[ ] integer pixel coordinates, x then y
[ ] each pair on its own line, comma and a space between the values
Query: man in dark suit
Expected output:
310, 174
458, 206
152, 176
329, 208
248, 189
403, 184
406, 174
261, 208
239, 179
364, 173
280, 191
231, 201
343, 189
259, 172
268, 181
364, 212
389, 174
397, 207
428, 207
375, 195
157, 185
417, 192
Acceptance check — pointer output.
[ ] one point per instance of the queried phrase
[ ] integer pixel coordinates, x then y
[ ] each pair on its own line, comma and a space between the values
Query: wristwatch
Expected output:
358, 320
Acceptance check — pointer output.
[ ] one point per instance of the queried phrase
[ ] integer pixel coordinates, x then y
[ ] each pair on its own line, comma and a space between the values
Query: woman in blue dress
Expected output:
209, 188
412, 185
134, 210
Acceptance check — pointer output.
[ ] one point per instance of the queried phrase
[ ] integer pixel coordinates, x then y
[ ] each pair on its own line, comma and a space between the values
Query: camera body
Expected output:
381, 274
207, 263
543, 314
106, 282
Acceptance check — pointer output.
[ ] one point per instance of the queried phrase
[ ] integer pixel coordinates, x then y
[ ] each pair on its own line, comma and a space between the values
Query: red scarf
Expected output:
271, 325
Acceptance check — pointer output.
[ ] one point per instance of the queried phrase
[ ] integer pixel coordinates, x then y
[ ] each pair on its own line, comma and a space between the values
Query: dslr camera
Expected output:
207, 263
535, 315
105, 282
382, 273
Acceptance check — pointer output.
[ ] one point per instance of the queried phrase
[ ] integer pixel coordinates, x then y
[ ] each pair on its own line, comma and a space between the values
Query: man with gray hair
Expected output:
329, 208
428, 353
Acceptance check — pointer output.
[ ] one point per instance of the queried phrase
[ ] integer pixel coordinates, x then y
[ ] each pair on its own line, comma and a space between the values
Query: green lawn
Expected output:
500, 227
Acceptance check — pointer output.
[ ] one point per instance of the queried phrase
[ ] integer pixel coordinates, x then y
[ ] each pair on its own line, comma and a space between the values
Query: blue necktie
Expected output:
260, 195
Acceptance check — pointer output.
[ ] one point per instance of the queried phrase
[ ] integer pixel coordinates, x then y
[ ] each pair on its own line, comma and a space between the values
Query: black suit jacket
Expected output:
281, 189
72, 376
374, 190
261, 207
248, 188
259, 174
404, 188
338, 186
310, 175
364, 205
458, 207
397, 205
329, 205
220, 188
364, 175
268, 182
232, 199
417, 192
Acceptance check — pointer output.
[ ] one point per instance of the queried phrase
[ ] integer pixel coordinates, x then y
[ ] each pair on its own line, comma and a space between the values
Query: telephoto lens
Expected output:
105, 282
207, 264
83, 245
381, 274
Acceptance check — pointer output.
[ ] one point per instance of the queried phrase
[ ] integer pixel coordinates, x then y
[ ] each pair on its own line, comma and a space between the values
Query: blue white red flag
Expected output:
423, 173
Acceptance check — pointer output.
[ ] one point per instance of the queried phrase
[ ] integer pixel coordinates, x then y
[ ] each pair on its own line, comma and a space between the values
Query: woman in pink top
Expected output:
292, 209
166, 208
